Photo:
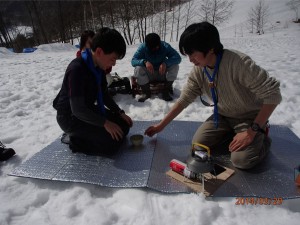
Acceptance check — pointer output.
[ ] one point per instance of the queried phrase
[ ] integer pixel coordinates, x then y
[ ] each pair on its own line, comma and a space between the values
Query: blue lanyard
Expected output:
87, 57
213, 88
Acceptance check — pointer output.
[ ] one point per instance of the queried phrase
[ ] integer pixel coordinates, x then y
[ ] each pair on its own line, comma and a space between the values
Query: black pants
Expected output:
90, 139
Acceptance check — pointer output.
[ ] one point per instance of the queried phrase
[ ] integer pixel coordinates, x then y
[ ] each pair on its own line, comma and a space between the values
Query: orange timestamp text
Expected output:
258, 201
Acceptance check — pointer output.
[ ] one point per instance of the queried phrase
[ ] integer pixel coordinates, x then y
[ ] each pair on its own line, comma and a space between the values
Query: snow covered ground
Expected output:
28, 85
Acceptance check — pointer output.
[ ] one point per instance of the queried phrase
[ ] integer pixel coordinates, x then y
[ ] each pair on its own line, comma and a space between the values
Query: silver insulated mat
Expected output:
129, 168
273, 178
146, 166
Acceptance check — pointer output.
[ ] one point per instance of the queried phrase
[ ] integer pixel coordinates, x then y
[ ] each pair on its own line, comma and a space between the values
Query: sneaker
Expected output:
6, 153
166, 96
144, 97
75, 144
79, 145
65, 138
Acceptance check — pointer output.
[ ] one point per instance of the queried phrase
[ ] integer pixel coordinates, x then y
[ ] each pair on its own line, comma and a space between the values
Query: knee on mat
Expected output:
89, 147
243, 161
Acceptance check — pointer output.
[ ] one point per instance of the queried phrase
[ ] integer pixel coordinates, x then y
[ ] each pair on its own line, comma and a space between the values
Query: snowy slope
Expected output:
29, 83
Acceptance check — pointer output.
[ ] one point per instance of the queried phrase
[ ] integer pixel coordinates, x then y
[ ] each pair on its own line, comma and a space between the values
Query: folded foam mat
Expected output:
274, 177
146, 165
129, 168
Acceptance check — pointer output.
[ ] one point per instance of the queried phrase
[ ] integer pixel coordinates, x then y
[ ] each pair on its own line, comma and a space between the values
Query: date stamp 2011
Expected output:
258, 201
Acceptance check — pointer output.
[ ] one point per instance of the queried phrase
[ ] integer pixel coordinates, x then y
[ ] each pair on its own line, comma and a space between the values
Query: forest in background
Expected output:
63, 21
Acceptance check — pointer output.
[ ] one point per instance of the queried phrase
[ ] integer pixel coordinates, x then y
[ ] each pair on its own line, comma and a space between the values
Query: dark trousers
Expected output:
90, 139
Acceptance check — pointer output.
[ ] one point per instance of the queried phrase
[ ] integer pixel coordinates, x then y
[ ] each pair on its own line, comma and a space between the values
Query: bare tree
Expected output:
205, 10
112, 17
258, 16
178, 19
93, 18
35, 34
61, 21
4, 34
38, 13
294, 6
165, 22
126, 17
141, 10
216, 11
152, 15
251, 23
72, 16
62, 29
172, 27
190, 11
84, 15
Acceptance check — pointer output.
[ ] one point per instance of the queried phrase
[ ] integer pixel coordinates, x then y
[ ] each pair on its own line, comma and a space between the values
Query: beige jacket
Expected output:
242, 86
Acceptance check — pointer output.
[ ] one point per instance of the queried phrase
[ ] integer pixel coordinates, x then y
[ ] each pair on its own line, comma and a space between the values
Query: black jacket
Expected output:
78, 95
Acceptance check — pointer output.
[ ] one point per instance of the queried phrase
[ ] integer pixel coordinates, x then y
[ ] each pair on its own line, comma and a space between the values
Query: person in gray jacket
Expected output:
155, 60
242, 93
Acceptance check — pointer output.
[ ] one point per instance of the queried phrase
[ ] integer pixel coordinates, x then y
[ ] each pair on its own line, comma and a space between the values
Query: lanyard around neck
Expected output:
212, 87
87, 57
216, 69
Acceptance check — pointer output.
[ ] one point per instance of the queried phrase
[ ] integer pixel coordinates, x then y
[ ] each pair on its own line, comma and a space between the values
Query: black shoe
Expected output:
166, 96
76, 144
166, 92
146, 92
6, 153
144, 97
65, 138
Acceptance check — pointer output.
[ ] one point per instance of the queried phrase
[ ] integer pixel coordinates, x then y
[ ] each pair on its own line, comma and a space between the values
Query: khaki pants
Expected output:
144, 77
246, 158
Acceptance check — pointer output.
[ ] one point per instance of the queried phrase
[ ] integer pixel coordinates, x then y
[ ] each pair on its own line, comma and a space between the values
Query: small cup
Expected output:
136, 139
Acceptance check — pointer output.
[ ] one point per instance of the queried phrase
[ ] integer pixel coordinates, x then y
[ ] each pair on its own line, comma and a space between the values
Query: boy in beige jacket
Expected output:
243, 95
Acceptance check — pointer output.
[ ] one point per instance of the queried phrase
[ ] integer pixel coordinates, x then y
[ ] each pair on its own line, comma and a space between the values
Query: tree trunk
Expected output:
111, 16
4, 32
93, 19
35, 33
178, 19
39, 20
62, 26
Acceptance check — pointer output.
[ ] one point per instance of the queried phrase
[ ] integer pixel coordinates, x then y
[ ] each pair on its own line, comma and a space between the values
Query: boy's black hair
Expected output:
85, 36
109, 40
200, 37
152, 40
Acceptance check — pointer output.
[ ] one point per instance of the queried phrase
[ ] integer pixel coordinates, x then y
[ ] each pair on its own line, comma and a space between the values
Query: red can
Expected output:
181, 168
177, 166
